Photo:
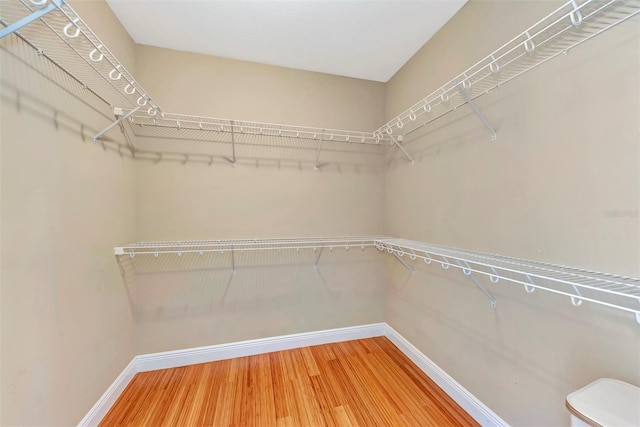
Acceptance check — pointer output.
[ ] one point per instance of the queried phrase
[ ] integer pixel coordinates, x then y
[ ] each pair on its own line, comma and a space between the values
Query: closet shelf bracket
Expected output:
397, 144
475, 109
407, 266
315, 266
12, 28
233, 147
118, 112
233, 262
317, 166
467, 272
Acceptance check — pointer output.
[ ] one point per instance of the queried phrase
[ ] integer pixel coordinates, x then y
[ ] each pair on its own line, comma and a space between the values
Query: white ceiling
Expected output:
366, 39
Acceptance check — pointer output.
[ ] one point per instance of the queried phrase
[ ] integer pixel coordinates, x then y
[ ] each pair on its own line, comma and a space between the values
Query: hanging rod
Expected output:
579, 285
563, 29
150, 124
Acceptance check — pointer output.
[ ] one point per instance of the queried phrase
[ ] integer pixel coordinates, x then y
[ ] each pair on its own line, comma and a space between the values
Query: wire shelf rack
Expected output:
181, 125
572, 24
579, 285
58, 33
204, 246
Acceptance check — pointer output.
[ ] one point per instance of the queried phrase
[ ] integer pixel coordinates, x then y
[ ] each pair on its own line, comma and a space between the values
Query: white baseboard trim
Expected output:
478, 410
173, 359
102, 406
190, 356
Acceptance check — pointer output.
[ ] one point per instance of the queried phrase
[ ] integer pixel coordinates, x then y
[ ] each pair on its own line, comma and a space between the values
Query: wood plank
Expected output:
354, 383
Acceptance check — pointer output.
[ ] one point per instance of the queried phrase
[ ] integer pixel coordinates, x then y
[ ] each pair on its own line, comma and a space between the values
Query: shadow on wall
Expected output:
173, 286
436, 136
37, 86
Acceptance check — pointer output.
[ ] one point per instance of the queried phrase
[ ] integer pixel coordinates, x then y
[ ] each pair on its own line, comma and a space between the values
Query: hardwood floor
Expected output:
364, 383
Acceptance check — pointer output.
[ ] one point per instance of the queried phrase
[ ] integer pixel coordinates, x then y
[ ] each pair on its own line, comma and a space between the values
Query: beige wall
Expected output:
567, 152
66, 325
262, 197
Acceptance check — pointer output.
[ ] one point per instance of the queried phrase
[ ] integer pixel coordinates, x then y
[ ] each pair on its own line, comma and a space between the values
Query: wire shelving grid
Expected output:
191, 126
204, 246
614, 291
562, 30
65, 39
61, 36
580, 285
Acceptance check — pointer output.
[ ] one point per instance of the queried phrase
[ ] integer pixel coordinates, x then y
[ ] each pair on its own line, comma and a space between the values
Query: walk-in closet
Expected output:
287, 213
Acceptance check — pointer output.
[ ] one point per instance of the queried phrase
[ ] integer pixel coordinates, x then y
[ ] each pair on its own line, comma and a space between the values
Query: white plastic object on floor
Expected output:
605, 402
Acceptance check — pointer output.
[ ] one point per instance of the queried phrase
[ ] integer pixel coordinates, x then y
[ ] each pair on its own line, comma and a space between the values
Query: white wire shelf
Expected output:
204, 246
178, 126
56, 31
572, 24
61, 36
579, 285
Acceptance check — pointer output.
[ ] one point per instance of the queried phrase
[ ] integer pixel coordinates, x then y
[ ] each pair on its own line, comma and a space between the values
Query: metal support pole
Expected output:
475, 282
483, 119
407, 266
315, 266
401, 148
9, 29
114, 124
317, 166
233, 145
233, 262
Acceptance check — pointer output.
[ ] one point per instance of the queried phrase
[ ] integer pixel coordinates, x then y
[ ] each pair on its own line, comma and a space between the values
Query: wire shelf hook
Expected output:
529, 44
93, 53
445, 264
38, 2
427, 258
412, 116
575, 300
575, 15
413, 255
129, 89
445, 95
494, 278
427, 107
116, 69
143, 99
466, 84
494, 66
466, 271
67, 27
529, 289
